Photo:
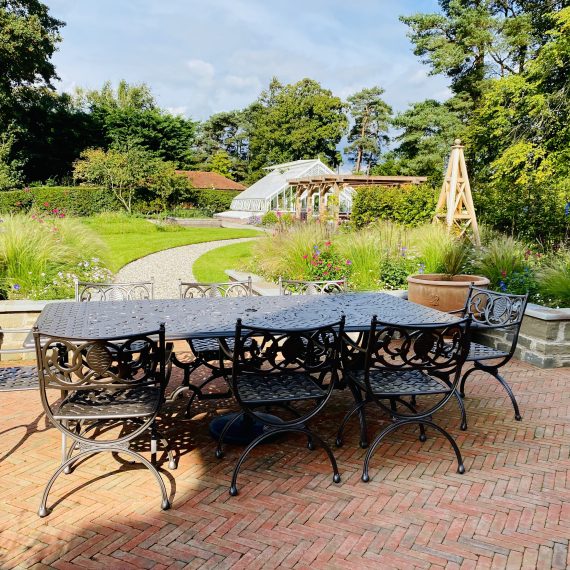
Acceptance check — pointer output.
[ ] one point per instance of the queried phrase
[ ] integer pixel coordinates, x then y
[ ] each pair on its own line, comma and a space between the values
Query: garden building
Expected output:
274, 191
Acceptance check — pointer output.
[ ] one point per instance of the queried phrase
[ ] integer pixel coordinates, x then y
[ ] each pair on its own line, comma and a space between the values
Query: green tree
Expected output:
129, 115
292, 122
10, 170
472, 40
371, 118
122, 172
428, 130
28, 39
221, 163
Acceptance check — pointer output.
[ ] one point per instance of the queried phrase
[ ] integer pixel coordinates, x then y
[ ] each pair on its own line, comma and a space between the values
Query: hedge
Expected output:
72, 200
212, 201
409, 205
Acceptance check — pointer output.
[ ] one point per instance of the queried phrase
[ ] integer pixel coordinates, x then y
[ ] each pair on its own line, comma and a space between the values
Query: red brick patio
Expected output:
511, 509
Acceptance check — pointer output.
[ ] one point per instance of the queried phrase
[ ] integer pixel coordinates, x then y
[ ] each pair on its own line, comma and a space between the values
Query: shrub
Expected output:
40, 255
554, 279
499, 259
325, 263
72, 200
269, 218
432, 243
409, 205
211, 201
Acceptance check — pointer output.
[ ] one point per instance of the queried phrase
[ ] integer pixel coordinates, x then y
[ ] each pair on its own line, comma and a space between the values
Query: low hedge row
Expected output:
72, 200
213, 201
87, 201
409, 205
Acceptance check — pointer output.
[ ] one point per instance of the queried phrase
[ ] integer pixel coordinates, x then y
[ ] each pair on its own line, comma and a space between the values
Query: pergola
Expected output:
335, 183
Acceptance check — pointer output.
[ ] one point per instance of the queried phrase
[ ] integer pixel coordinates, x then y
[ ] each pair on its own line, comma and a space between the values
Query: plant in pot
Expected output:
447, 288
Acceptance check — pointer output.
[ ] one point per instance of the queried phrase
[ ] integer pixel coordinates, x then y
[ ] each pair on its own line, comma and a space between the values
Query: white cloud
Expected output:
201, 69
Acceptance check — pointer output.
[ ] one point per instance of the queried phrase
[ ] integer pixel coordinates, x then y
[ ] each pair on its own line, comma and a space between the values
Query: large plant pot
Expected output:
434, 290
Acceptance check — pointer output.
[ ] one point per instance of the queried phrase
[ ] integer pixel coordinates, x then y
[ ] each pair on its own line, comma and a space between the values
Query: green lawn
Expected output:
129, 238
210, 267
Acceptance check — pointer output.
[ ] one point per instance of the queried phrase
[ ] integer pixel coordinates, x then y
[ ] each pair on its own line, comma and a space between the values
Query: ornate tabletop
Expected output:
211, 317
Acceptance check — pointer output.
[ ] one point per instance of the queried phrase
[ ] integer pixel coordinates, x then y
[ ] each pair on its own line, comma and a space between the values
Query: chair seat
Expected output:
390, 383
15, 378
200, 345
482, 352
278, 387
101, 404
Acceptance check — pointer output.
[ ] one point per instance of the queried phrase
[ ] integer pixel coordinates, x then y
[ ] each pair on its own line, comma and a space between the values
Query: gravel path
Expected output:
168, 266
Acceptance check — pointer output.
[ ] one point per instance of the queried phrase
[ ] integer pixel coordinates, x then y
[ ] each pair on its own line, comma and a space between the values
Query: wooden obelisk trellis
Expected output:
455, 205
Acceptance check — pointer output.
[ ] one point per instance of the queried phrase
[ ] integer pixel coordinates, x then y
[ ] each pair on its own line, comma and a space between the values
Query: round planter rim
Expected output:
435, 279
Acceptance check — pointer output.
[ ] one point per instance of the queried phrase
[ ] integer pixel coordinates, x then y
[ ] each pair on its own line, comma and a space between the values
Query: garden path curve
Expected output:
168, 266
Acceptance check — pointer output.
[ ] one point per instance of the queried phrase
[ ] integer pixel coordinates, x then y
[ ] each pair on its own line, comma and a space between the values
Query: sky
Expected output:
203, 57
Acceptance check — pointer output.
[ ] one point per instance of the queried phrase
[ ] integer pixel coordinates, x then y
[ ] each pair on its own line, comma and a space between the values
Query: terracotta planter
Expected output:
431, 290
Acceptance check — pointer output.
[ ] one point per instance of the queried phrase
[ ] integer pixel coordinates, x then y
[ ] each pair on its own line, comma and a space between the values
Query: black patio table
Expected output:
217, 316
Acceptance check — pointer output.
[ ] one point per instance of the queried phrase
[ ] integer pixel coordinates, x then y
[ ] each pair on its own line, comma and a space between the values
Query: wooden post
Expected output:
298, 192
455, 205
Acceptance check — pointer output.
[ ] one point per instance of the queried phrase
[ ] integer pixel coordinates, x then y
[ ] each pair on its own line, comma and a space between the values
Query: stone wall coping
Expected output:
546, 313
26, 306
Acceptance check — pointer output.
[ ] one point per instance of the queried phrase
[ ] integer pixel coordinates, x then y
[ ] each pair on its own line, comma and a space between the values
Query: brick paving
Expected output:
511, 509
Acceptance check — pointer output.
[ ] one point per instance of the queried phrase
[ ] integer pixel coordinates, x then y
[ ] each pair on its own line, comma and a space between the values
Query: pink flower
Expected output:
328, 243
46, 204
305, 256
503, 273
348, 262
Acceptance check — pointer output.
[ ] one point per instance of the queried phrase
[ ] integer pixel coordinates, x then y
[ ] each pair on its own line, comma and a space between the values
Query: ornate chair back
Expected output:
85, 291
230, 289
292, 287
267, 353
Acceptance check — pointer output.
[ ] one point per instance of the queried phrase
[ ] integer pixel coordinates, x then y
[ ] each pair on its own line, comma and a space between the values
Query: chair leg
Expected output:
357, 407
393, 427
459, 399
361, 415
271, 433
463, 379
411, 406
509, 391
155, 437
43, 511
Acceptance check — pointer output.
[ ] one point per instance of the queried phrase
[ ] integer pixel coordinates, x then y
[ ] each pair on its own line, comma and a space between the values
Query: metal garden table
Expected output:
216, 317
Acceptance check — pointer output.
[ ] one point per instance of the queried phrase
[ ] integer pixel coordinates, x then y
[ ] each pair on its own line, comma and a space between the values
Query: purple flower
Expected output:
422, 268
502, 286
567, 209
16, 287
348, 262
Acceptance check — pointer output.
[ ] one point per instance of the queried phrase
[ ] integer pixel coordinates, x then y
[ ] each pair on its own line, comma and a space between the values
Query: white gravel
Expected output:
168, 266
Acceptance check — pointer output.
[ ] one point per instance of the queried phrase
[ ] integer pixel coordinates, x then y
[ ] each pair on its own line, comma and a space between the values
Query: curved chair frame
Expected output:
293, 287
109, 381
276, 368
493, 310
86, 291
212, 353
402, 361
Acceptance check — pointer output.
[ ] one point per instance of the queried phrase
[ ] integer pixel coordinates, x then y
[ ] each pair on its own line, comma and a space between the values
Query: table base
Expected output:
243, 431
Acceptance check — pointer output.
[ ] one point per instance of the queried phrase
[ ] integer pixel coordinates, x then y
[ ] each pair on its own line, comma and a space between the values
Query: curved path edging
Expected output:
166, 267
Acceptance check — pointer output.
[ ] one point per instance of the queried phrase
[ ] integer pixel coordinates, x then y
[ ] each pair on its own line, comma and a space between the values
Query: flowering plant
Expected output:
325, 264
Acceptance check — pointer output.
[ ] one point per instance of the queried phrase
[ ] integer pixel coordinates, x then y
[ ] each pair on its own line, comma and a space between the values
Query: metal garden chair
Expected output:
293, 287
407, 361
212, 353
292, 372
493, 310
89, 389
85, 291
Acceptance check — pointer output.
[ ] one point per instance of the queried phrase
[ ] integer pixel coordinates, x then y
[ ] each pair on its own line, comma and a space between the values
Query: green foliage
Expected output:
40, 256
554, 279
428, 130
394, 272
501, 257
72, 201
28, 39
209, 201
292, 122
432, 242
325, 263
455, 257
221, 163
371, 120
269, 218
10, 175
409, 205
